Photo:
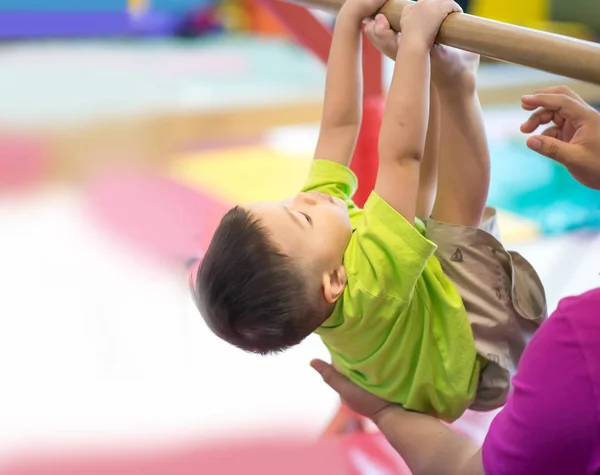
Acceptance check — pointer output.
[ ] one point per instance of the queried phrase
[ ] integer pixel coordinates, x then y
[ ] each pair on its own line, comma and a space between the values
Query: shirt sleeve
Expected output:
550, 422
387, 254
335, 180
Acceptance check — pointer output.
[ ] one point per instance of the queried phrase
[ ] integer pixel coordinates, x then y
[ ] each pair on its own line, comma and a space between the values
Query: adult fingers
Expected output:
562, 90
335, 380
554, 132
568, 107
553, 148
540, 117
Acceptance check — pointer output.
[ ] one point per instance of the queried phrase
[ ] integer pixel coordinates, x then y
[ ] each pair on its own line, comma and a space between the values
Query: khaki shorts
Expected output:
503, 296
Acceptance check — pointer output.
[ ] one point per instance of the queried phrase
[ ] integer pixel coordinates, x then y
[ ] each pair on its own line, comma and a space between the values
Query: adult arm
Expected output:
550, 422
549, 425
427, 445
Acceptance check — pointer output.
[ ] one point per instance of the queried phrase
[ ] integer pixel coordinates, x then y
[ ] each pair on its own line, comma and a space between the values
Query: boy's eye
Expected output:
308, 218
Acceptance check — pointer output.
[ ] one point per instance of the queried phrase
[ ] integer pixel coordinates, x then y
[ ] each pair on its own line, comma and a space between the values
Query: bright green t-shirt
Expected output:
400, 329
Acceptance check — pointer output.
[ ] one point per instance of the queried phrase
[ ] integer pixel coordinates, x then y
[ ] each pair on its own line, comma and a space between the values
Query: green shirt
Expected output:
400, 329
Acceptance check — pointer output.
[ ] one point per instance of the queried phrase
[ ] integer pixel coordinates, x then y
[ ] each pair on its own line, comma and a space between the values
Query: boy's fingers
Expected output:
456, 7
450, 6
382, 29
382, 36
370, 29
381, 22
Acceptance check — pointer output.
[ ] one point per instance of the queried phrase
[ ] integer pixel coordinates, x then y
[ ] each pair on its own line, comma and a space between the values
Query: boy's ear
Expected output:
334, 283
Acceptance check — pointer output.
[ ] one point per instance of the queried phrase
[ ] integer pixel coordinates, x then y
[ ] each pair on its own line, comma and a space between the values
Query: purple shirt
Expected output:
551, 422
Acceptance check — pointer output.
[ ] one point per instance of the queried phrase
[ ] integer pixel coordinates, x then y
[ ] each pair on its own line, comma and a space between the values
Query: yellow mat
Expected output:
243, 175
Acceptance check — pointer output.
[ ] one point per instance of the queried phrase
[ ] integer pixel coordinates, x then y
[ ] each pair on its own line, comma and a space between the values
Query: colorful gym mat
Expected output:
534, 195
88, 80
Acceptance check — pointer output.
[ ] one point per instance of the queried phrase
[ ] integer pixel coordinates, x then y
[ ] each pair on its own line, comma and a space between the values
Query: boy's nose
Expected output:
306, 198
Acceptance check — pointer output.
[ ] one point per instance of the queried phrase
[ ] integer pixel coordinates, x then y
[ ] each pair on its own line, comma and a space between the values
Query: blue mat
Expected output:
540, 189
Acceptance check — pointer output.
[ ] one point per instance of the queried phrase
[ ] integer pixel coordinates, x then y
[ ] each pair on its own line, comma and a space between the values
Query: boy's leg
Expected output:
501, 292
428, 174
464, 161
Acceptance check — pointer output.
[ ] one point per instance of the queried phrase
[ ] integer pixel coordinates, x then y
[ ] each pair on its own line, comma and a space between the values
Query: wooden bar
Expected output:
548, 52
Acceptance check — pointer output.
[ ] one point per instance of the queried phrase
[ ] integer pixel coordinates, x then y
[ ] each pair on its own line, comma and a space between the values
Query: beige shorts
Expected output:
503, 296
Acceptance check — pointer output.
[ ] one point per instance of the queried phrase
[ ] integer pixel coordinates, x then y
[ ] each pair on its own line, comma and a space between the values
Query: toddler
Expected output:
414, 295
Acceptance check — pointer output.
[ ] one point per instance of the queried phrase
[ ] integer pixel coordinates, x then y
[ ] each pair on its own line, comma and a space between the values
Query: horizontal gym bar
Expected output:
556, 54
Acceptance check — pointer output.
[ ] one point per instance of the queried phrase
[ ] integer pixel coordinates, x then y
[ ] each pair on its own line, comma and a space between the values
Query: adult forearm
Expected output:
427, 446
404, 126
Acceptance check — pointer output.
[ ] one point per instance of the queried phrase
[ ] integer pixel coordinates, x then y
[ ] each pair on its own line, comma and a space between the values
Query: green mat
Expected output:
59, 81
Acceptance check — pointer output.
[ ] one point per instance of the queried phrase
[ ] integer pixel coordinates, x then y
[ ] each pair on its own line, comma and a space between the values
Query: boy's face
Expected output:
313, 228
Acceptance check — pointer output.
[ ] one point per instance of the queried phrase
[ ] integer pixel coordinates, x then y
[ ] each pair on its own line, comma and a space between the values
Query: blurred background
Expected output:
126, 130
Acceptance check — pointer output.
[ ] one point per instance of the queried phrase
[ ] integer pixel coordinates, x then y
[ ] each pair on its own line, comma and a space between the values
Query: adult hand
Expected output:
356, 398
574, 138
427, 446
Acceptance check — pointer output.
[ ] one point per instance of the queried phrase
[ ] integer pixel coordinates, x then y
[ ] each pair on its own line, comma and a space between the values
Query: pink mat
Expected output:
23, 161
356, 455
156, 213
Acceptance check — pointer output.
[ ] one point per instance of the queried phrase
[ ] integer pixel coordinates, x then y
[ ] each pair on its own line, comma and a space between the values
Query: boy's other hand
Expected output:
422, 20
382, 36
361, 9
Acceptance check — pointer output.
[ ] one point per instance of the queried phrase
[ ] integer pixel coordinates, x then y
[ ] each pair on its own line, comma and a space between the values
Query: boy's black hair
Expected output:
249, 293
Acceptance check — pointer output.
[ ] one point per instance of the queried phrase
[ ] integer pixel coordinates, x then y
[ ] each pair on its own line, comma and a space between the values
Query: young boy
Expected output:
434, 317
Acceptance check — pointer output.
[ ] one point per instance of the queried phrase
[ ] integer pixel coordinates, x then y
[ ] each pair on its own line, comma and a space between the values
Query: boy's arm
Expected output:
404, 128
342, 106
386, 40
428, 176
